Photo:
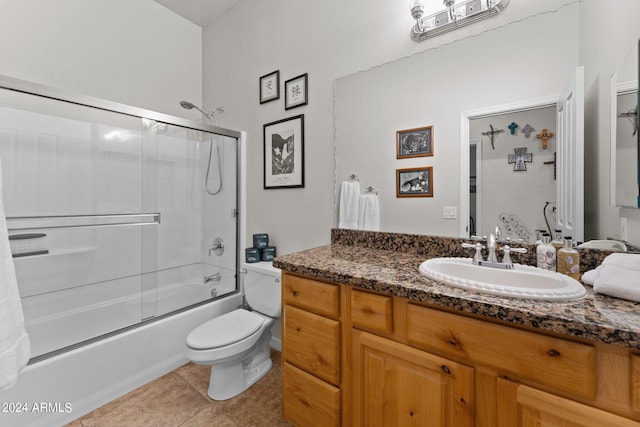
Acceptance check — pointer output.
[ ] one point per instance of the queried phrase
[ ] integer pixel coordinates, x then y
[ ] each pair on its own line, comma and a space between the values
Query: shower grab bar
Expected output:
23, 223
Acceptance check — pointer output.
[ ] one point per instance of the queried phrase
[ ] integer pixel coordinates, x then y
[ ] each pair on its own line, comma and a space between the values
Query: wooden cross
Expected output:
544, 136
520, 158
512, 128
492, 135
553, 162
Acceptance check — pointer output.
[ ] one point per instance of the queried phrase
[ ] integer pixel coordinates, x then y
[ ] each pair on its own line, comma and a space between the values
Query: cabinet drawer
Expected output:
312, 343
371, 311
635, 383
308, 401
319, 297
558, 363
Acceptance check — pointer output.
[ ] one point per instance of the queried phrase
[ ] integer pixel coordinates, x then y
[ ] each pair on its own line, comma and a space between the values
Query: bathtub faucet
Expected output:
215, 277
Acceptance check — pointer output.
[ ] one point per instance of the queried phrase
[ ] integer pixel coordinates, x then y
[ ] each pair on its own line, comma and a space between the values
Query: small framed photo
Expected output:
296, 92
414, 182
284, 153
416, 142
270, 87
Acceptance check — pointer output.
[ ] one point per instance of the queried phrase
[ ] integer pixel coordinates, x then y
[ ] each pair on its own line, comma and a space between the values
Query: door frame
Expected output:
465, 117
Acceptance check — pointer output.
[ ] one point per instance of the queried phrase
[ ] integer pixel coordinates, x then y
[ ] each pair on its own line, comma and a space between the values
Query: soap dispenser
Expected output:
569, 259
558, 241
546, 254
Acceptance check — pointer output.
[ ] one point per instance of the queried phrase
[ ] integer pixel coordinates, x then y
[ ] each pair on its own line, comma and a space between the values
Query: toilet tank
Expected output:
262, 288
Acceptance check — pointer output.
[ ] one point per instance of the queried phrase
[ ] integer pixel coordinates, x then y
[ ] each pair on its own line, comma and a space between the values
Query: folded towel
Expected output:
369, 212
589, 277
349, 195
15, 347
630, 261
619, 276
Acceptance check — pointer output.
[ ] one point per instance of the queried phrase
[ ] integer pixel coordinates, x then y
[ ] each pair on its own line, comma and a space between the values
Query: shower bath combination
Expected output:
211, 116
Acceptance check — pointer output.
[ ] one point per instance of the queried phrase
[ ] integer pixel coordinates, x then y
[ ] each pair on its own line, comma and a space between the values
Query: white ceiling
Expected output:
200, 12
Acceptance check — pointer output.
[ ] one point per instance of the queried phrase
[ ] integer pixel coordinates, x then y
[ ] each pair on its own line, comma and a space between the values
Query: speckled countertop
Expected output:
388, 263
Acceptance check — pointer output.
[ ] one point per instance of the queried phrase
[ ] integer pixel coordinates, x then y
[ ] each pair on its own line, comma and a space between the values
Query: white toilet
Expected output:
236, 344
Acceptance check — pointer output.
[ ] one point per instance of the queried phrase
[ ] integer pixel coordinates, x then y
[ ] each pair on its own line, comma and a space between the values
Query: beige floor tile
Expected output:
168, 401
211, 417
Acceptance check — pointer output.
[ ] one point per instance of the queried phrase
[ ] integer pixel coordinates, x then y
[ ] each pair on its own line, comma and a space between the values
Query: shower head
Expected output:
186, 105
189, 105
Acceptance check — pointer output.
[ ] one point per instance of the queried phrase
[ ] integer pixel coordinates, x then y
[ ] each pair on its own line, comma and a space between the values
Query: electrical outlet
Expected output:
624, 230
450, 212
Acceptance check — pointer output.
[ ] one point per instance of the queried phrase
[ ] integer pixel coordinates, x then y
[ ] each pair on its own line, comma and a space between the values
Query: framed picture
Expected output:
270, 87
416, 142
295, 92
414, 182
284, 153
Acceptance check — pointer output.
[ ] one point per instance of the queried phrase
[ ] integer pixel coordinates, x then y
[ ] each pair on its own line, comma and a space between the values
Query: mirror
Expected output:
513, 181
625, 136
435, 88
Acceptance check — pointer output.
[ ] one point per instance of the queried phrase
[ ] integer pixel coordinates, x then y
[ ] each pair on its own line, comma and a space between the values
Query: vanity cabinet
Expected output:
397, 385
519, 405
358, 358
311, 351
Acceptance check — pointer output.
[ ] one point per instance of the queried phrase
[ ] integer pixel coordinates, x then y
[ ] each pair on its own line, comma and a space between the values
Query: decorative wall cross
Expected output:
554, 163
519, 158
527, 130
492, 135
544, 137
512, 128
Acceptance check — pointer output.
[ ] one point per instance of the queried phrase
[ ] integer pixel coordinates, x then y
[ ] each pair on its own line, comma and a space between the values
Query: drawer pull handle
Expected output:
295, 293
445, 369
411, 413
553, 353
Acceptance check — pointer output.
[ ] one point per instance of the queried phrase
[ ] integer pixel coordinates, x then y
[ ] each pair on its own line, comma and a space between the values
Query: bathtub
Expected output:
60, 389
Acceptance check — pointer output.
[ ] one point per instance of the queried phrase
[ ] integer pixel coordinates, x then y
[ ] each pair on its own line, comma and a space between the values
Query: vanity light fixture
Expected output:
455, 15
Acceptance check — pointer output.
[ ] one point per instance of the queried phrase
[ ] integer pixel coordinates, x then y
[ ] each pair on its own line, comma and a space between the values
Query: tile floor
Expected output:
179, 398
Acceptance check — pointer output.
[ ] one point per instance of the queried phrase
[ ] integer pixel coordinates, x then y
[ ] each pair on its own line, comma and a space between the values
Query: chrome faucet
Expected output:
215, 277
492, 259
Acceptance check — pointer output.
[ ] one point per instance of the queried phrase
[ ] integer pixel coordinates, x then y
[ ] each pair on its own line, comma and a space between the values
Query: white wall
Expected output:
133, 52
606, 35
328, 40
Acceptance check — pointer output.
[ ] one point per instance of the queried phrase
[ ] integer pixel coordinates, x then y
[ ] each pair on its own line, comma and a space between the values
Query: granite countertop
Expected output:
595, 317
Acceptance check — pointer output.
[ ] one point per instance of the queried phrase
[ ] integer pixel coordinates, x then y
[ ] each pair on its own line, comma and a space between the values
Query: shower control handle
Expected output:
217, 247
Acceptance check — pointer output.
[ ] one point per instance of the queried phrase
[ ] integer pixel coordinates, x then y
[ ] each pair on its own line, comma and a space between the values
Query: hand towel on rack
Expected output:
15, 346
619, 276
369, 212
349, 194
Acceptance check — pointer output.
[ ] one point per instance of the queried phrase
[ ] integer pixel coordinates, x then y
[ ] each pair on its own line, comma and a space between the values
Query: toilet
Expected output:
236, 344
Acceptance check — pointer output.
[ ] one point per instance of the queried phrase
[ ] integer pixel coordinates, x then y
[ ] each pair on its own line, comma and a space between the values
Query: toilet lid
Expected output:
224, 330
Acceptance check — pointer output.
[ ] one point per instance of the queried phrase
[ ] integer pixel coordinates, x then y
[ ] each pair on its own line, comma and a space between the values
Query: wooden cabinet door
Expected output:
396, 385
523, 406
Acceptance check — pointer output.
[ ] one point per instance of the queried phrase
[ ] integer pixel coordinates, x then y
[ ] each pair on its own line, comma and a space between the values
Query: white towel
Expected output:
349, 195
589, 277
369, 212
619, 276
15, 346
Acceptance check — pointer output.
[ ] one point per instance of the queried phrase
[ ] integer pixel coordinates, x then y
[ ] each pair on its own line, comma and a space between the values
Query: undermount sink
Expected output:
522, 281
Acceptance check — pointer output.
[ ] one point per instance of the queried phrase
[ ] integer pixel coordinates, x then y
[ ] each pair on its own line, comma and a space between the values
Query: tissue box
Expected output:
268, 253
252, 255
260, 240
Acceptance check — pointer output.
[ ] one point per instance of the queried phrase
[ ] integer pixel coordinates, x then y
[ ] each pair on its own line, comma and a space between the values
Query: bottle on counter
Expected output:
558, 241
546, 254
569, 259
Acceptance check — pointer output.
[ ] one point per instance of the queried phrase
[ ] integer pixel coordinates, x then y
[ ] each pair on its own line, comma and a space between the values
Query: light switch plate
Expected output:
450, 212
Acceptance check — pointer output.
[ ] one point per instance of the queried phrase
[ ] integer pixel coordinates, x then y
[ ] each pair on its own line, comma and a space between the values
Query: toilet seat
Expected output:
224, 330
